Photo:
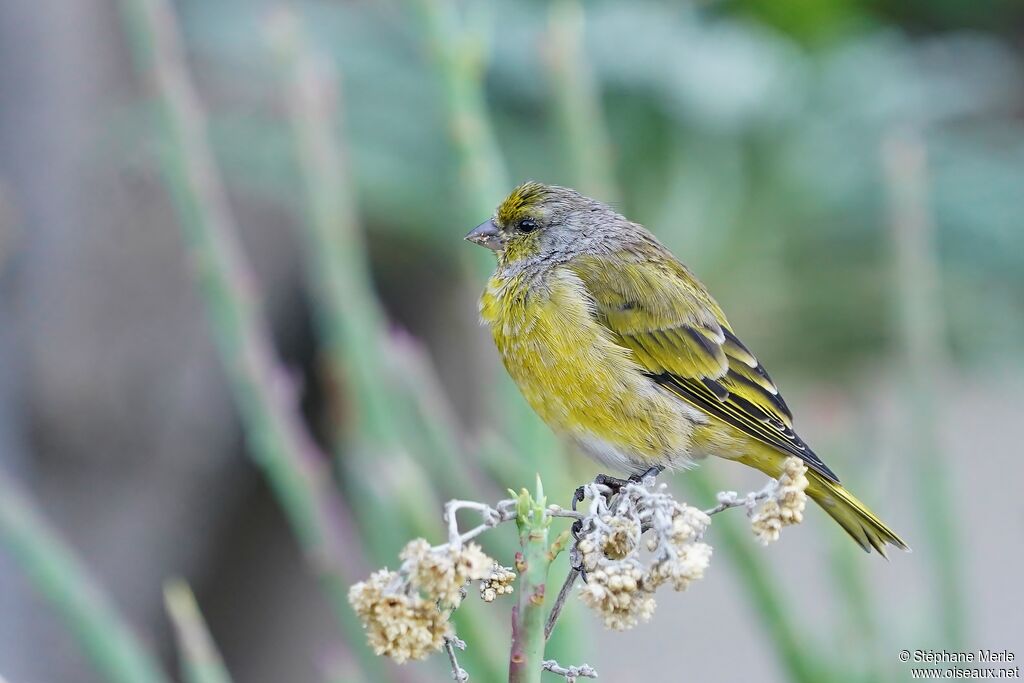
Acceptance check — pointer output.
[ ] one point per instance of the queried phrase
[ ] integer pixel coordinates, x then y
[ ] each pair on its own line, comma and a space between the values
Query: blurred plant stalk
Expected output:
60, 578
858, 619
200, 660
388, 378
577, 103
459, 56
919, 321
415, 422
264, 392
458, 48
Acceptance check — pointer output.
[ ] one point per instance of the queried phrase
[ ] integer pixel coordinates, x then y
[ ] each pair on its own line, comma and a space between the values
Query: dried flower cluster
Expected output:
442, 573
498, 583
405, 612
784, 504
400, 625
621, 581
631, 540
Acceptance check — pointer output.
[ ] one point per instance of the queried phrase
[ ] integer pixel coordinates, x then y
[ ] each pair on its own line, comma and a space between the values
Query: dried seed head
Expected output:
441, 574
615, 592
792, 494
498, 583
687, 565
766, 522
621, 538
620, 584
688, 524
786, 504
398, 625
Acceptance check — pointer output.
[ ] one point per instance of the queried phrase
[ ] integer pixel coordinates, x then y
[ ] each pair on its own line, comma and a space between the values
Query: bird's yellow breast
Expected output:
574, 375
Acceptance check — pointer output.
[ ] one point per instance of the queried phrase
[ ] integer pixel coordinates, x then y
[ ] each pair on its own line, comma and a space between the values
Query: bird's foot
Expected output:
613, 483
578, 497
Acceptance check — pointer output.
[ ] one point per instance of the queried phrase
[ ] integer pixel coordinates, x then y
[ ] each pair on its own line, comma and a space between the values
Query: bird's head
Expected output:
537, 222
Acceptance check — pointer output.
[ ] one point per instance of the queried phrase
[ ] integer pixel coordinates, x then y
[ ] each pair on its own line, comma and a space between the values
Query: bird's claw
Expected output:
578, 497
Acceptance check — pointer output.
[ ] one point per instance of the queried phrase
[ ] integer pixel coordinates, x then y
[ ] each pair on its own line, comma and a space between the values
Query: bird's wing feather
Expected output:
656, 308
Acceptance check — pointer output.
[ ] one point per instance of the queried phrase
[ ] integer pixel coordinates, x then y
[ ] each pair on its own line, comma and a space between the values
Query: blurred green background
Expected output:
182, 306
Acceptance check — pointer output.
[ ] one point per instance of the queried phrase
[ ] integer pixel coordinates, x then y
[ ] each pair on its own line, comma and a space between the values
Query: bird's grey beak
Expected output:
486, 235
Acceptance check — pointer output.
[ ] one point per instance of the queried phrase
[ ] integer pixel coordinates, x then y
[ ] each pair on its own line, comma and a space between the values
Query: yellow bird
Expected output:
620, 348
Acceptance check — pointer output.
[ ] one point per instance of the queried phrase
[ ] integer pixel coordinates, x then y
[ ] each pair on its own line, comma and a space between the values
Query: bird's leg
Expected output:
614, 483
652, 472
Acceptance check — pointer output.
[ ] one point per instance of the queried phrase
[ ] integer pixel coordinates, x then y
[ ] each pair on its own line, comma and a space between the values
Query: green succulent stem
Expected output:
459, 57
279, 441
919, 320
458, 48
532, 563
575, 94
388, 379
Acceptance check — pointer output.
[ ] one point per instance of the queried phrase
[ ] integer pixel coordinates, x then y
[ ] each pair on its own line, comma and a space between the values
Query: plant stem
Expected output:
348, 315
402, 410
574, 91
458, 55
458, 673
563, 594
200, 660
60, 578
264, 392
919, 319
527, 653
379, 366
351, 320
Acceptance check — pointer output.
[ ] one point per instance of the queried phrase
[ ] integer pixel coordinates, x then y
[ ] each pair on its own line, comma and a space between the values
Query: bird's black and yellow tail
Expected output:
856, 519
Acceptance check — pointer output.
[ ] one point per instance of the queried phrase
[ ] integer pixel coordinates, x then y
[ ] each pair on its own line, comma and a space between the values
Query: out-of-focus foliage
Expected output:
746, 150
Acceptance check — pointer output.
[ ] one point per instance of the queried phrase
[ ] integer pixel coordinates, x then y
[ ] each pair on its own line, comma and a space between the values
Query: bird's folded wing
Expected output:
658, 310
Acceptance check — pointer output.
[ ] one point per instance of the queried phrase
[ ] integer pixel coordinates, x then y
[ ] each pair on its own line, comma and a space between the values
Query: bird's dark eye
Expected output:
526, 225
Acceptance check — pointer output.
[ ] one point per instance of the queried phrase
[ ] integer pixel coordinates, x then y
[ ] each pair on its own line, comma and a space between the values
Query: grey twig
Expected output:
563, 594
264, 391
557, 511
571, 673
504, 511
731, 499
450, 643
